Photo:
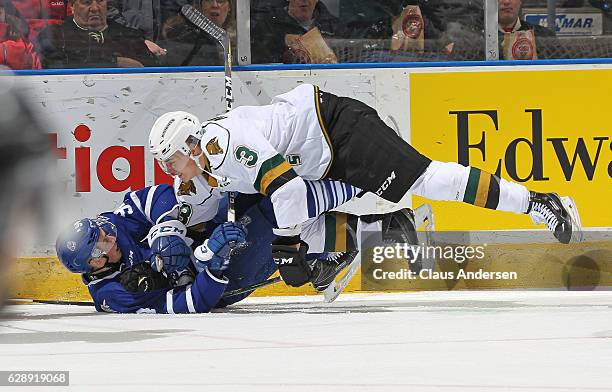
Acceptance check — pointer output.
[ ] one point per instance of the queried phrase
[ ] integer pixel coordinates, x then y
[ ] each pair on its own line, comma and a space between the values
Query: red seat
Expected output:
36, 25
19, 55
4, 28
43, 9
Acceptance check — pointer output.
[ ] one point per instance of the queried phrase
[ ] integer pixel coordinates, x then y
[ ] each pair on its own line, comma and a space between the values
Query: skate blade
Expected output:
424, 218
570, 206
337, 287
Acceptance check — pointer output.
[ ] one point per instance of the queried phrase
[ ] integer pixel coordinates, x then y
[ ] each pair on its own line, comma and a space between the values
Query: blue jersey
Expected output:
109, 295
140, 211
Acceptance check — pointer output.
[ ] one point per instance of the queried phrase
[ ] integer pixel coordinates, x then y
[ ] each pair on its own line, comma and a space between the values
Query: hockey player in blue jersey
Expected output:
121, 255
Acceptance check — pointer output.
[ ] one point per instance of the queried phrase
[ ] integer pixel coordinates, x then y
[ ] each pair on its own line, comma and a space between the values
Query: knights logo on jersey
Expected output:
187, 188
213, 147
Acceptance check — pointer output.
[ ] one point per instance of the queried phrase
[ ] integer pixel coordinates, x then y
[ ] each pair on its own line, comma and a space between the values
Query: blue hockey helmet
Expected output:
79, 243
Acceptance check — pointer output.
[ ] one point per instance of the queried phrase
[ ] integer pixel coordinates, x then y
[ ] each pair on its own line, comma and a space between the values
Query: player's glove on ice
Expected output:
291, 260
215, 253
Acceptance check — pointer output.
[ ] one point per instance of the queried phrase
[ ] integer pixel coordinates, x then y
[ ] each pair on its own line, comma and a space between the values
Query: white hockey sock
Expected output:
454, 182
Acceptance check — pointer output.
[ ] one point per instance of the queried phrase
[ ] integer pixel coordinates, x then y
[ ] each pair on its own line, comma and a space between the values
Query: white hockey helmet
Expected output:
171, 132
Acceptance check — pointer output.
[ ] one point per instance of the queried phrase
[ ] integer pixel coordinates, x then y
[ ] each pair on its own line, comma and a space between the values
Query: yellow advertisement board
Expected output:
550, 130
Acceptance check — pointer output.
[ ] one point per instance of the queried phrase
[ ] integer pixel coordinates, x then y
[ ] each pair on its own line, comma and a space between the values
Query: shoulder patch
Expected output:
213, 147
217, 142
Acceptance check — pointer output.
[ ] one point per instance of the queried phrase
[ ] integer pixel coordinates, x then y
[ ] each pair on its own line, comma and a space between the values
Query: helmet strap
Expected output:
196, 158
102, 272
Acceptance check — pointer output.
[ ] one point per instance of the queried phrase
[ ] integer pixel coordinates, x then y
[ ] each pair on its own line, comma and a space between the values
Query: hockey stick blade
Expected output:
570, 206
201, 21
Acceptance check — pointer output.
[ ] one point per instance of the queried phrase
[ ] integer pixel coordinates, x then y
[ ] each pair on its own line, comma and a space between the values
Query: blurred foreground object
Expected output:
24, 175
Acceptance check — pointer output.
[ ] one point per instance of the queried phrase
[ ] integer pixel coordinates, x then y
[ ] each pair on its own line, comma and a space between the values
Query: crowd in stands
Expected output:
36, 34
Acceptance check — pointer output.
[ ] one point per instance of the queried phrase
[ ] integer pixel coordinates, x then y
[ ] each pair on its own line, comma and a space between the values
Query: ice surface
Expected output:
428, 341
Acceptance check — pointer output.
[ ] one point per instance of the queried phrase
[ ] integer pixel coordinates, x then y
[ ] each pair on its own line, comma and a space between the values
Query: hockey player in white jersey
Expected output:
332, 237
308, 134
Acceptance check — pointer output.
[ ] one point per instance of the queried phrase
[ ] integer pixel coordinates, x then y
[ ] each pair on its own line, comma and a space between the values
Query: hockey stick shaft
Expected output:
229, 101
253, 287
21, 301
228, 294
206, 25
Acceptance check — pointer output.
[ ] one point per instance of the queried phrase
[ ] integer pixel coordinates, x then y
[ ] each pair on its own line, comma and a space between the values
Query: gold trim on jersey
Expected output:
273, 173
324, 129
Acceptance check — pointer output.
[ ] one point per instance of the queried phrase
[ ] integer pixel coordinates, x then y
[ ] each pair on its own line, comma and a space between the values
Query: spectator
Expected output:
137, 14
188, 45
269, 33
169, 8
16, 51
87, 40
510, 22
432, 28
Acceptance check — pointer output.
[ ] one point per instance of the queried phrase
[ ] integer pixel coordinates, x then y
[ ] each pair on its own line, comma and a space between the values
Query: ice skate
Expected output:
559, 214
399, 227
324, 271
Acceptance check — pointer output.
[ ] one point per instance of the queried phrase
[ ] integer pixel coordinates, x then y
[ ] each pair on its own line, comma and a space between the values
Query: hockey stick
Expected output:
21, 301
253, 287
216, 32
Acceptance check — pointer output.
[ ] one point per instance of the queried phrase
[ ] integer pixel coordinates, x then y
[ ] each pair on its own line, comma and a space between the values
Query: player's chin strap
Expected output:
103, 272
217, 180
196, 158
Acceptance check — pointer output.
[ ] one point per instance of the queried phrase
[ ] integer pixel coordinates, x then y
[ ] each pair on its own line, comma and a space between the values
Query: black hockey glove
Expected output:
291, 261
141, 278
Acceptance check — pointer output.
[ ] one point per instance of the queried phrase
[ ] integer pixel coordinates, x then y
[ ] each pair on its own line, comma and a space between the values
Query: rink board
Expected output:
553, 125
584, 266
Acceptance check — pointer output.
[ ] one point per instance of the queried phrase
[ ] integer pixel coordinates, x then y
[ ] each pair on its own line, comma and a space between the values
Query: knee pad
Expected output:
442, 181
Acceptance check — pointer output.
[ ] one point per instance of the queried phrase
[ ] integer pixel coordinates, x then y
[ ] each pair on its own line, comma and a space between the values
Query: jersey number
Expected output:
294, 159
246, 156
123, 210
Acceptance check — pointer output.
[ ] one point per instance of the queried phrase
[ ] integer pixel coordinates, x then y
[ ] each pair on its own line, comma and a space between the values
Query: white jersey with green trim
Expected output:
198, 202
271, 150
